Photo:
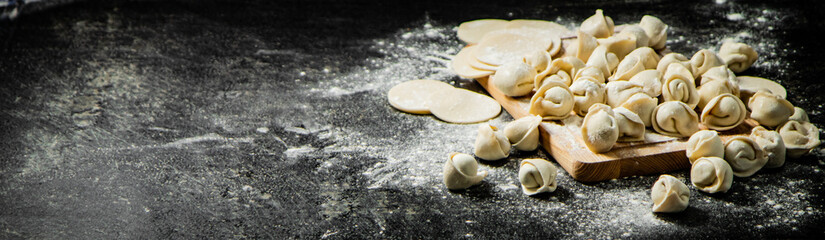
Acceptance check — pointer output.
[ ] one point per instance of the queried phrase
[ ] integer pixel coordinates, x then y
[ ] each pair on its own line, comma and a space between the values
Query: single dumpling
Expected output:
600, 130
631, 127
461, 172
704, 143
703, 60
637, 33
799, 137
643, 105
568, 65
772, 144
647, 56
627, 68
769, 109
679, 85
598, 25
675, 118
490, 143
724, 112
620, 45
604, 60
744, 156
669, 194
552, 101
514, 78
524, 133
537, 176
539, 60
560, 76
737, 56
586, 93
799, 115
721, 73
594, 73
619, 91
711, 175
651, 81
673, 57
656, 31
583, 46
715, 88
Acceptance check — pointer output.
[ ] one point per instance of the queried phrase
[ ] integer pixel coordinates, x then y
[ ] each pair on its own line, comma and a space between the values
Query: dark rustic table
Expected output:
268, 119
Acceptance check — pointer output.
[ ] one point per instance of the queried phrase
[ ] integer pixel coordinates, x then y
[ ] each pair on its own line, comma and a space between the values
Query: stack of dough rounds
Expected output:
537, 176
711, 175
744, 156
471, 32
772, 144
600, 129
463, 62
704, 143
524, 133
675, 118
490, 143
669, 194
461, 172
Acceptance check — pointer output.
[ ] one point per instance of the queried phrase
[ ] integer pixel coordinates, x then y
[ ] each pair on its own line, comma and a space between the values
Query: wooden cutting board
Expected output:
562, 139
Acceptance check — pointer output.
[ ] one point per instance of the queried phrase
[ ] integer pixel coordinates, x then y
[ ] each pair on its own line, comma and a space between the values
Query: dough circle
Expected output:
413, 96
458, 105
472, 31
462, 64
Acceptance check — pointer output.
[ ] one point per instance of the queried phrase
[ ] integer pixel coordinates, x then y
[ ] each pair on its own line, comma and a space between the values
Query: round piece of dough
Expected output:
748, 85
414, 96
512, 44
462, 106
472, 31
461, 64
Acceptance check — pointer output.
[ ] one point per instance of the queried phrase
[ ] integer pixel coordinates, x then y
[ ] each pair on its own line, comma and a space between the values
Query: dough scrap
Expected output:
457, 105
711, 175
524, 133
461, 172
471, 32
490, 143
414, 96
724, 112
772, 144
600, 130
737, 56
669, 194
675, 118
744, 156
537, 176
704, 143
461, 64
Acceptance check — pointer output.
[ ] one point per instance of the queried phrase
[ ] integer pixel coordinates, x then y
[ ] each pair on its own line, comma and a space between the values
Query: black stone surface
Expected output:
268, 119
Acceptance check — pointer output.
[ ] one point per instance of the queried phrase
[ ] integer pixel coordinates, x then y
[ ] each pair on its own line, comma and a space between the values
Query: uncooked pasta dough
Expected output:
772, 144
539, 60
799, 115
643, 105
604, 60
583, 46
737, 56
600, 130
679, 85
669, 194
491, 144
598, 25
552, 101
711, 175
514, 78
567, 65
799, 137
769, 109
585, 94
703, 60
720, 73
457, 105
524, 133
471, 32
461, 64
724, 112
617, 92
593, 72
744, 156
637, 33
537, 176
673, 57
748, 86
461, 172
704, 143
413, 96
656, 31
631, 127
620, 45
651, 81
675, 118
501, 46
714, 88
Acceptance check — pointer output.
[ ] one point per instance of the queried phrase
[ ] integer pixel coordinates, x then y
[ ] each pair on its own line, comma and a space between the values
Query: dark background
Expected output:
268, 119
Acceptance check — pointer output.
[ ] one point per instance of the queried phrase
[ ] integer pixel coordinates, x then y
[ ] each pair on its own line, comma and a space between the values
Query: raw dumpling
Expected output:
799, 115
703, 60
524, 133
637, 33
714, 88
724, 112
772, 144
672, 58
720, 73
491, 144
669, 194
619, 91
651, 81
514, 78
539, 60
749, 85
647, 56
461, 172
704, 143
711, 175
675, 118
471, 32
414, 96
799, 137
586, 93
737, 56
620, 45
769, 109
643, 105
568, 65
656, 31
552, 101
537, 176
590, 71
458, 105
631, 127
600, 130
744, 156
462, 66
604, 60
583, 46
627, 68
598, 25
679, 85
